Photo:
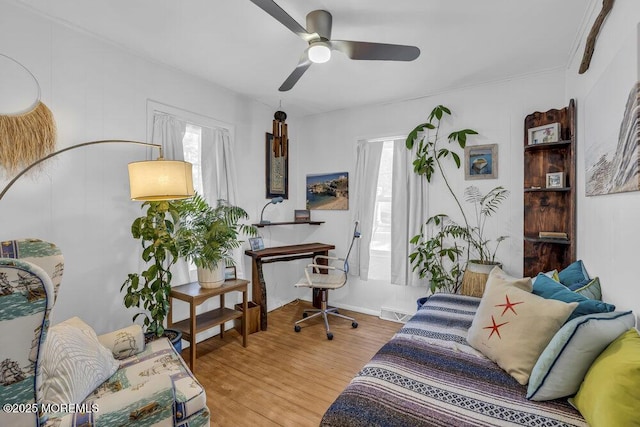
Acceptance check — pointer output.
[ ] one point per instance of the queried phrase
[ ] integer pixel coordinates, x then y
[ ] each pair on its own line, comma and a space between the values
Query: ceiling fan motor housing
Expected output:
319, 22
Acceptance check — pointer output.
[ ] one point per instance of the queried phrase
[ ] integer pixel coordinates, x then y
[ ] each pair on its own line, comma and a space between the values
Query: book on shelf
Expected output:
553, 235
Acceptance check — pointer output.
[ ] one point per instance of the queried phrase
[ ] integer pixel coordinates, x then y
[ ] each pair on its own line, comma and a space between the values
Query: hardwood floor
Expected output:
284, 378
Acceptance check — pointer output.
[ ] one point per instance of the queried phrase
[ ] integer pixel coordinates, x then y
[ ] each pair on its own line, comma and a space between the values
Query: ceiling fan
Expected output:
318, 35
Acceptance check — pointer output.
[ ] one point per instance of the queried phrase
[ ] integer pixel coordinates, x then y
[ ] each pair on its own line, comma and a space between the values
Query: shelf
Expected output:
547, 145
207, 320
547, 240
537, 190
269, 224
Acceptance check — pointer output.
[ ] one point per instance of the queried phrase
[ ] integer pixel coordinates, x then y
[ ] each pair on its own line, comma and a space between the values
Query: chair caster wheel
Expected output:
305, 315
296, 328
329, 336
354, 324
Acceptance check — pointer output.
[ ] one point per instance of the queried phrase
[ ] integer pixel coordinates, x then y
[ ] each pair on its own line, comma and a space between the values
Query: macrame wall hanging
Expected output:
280, 135
28, 135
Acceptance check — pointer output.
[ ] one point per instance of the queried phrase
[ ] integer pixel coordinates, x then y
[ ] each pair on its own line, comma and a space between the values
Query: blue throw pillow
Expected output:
550, 289
573, 273
565, 361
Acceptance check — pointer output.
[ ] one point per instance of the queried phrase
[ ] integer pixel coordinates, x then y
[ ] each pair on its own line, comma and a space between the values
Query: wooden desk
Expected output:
276, 254
193, 294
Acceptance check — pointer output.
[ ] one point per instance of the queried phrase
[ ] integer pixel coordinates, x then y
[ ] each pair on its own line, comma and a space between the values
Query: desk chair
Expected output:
331, 277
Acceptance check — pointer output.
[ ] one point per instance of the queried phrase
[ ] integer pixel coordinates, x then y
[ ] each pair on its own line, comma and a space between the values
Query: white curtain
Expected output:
168, 131
408, 213
218, 175
364, 198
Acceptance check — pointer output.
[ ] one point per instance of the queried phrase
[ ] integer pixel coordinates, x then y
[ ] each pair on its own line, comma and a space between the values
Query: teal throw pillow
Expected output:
573, 273
550, 289
565, 361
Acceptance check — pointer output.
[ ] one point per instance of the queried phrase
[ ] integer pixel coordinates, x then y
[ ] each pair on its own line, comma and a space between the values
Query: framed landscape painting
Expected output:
328, 191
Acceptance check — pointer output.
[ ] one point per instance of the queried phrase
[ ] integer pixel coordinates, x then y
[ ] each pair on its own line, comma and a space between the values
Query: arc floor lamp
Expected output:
149, 180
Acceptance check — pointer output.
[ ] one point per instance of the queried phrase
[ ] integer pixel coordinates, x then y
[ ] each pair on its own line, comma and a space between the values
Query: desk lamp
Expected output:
273, 201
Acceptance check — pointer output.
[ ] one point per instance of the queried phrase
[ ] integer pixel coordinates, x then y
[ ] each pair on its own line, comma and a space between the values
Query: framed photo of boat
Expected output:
481, 162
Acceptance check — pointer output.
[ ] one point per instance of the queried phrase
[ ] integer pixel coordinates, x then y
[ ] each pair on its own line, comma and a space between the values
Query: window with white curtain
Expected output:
380, 248
192, 148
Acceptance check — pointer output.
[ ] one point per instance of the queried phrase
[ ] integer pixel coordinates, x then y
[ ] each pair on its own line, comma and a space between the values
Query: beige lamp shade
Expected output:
160, 179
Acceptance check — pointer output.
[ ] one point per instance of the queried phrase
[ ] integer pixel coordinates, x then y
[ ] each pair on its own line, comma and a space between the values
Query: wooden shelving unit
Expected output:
550, 209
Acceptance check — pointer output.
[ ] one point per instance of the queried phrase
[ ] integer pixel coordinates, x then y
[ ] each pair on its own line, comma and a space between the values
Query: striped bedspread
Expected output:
427, 375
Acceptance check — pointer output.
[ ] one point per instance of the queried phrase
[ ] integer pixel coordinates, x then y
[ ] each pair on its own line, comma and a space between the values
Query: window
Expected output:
192, 148
380, 249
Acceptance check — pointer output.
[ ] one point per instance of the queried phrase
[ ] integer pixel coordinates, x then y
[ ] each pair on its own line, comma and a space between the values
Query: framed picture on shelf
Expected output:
277, 169
302, 215
544, 134
230, 272
555, 180
256, 243
481, 162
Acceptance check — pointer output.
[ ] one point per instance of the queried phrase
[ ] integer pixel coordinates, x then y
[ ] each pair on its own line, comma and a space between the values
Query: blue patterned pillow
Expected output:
550, 289
565, 361
573, 273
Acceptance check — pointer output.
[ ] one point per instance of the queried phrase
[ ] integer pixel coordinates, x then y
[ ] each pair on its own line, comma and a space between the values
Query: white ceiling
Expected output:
237, 45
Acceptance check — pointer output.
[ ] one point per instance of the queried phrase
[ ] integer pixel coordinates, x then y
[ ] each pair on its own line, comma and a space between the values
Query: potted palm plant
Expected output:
207, 236
150, 289
444, 250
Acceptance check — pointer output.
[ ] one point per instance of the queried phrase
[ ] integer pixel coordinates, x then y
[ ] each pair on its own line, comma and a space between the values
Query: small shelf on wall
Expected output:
269, 224
547, 145
531, 190
547, 240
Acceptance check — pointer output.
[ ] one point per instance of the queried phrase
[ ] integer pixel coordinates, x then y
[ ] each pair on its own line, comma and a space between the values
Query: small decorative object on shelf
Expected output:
544, 134
256, 243
302, 215
555, 180
230, 272
553, 235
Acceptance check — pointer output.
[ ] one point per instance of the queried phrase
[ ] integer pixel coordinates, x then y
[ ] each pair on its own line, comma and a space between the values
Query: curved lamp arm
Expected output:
84, 144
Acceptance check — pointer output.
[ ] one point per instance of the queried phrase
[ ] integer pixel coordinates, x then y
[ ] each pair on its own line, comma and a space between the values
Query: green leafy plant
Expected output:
150, 289
443, 247
206, 235
485, 205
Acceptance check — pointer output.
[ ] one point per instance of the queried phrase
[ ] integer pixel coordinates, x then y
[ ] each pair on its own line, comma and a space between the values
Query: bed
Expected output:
427, 375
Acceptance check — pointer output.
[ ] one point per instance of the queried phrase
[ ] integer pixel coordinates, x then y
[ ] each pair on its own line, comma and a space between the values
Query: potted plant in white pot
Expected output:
207, 236
443, 250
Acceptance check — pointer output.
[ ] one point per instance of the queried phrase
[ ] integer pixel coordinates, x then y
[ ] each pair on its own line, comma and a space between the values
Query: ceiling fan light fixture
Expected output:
319, 52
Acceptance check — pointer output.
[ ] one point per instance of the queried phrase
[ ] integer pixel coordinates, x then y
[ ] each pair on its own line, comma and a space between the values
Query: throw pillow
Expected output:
124, 342
512, 326
553, 274
573, 273
550, 289
590, 290
74, 363
609, 394
562, 366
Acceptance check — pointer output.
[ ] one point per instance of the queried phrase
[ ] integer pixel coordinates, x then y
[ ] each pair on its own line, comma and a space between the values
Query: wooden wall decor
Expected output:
550, 210
607, 5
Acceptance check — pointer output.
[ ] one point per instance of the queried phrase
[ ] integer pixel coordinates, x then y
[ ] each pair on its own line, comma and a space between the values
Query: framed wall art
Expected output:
276, 170
328, 191
481, 162
544, 134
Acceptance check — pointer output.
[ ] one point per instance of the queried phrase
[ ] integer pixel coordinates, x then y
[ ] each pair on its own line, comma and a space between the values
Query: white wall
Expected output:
495, 110
608, 229
80, 200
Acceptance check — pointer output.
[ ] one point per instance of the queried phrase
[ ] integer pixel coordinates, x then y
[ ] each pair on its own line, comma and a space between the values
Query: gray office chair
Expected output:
323, 278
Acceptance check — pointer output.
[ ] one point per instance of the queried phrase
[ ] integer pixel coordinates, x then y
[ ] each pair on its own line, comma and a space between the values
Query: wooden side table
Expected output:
193, 294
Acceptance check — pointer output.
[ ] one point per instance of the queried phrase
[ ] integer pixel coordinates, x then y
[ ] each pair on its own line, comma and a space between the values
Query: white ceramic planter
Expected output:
211, 278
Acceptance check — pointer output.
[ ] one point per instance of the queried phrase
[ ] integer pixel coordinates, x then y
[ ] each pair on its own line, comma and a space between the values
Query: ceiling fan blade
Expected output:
281, 16
376, 51
293, 78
